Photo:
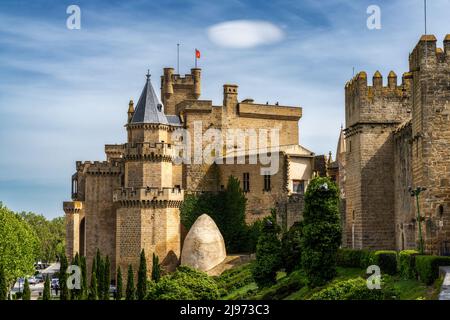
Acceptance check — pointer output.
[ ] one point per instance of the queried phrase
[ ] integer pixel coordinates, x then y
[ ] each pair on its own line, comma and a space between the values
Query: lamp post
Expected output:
415, 193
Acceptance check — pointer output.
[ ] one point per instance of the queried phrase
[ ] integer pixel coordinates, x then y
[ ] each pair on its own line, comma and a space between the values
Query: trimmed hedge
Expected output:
407, 264
428, 267
387, 261
353, 289
354, 258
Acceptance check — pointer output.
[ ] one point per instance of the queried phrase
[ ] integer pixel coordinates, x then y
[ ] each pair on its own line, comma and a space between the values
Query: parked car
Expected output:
32, 280
39, 278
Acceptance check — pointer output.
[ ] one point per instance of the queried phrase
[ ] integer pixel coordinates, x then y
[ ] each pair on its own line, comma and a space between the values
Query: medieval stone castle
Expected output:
131, 201
397, 137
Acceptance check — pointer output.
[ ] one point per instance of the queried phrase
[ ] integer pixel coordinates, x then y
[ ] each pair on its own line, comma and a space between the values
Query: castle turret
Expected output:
230, 96
130, 110
176, 88
196, 72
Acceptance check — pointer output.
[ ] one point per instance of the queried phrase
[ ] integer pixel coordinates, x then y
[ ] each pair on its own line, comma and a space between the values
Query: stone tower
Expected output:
372, 113
430, 69
148, 203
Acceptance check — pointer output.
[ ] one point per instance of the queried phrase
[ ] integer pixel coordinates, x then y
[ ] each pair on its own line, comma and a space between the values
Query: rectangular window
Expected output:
298, 186
246, 182
267, 182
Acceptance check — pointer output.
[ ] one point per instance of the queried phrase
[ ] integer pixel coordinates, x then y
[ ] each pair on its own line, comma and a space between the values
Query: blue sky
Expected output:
64, 93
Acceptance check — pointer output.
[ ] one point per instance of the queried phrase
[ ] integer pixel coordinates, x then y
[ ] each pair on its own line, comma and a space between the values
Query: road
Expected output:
37, 289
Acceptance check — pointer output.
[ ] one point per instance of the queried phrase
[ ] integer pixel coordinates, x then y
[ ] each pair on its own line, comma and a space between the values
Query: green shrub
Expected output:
406, 264
427, 267
268, 254
290, 247
283, 288
367, 258
321, 231
353, 289
387, 261
234, 279
184, 284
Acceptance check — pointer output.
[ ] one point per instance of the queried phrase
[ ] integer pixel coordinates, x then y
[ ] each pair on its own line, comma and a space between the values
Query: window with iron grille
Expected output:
246, 182
267, 182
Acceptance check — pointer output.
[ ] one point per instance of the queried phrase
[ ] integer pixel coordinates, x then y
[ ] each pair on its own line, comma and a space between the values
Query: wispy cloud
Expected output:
244, 33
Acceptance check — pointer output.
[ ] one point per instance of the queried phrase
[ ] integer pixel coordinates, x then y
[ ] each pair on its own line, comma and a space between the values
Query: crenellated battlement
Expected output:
377, 102
358, 86
176, 88
99, 167
148, 150
148, 196
426, 54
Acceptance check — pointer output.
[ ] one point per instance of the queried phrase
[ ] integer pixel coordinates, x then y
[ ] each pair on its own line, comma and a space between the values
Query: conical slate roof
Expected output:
149, 108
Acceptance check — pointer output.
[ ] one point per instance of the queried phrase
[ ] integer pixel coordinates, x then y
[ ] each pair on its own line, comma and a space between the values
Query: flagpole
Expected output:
425, 13
195, 53
178, 58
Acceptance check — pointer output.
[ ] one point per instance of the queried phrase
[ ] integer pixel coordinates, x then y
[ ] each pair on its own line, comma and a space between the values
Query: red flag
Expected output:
197, 54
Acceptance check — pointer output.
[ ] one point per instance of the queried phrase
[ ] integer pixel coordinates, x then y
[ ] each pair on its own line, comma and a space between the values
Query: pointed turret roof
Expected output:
149, 108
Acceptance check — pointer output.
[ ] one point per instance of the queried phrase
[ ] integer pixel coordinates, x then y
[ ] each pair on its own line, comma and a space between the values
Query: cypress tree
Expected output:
84, 287
26, 291
106, 278
93, 295
131, 291
99, 274
268, 253
47, 293
321, 232
142, 277
156, 269
3, 285
64, 291
76, 293
232, 219
119, 286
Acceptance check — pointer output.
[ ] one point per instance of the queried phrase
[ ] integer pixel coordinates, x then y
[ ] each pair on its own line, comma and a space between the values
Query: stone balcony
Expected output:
148, 194
72, 206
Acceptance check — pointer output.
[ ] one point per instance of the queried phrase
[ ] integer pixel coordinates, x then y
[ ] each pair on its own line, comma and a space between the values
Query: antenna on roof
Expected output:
425, 14
178, 58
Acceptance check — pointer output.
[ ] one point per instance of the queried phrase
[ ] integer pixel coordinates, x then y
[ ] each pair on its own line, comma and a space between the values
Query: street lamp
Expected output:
415, 193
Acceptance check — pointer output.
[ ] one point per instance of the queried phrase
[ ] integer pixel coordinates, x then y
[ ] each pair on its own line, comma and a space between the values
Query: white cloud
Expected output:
244, 33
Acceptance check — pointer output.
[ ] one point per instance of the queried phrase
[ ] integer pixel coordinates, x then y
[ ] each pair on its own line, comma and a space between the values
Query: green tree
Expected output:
321, 232
268, 253
93, 294
18, 243
3, 284
50, 234
232, 219
119, 286
64, 293
131, 290
106, 278
291, 247
156, 268
75, 294
26, 295
227, 209
142, 277
47, 290
84, 286
99, 274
